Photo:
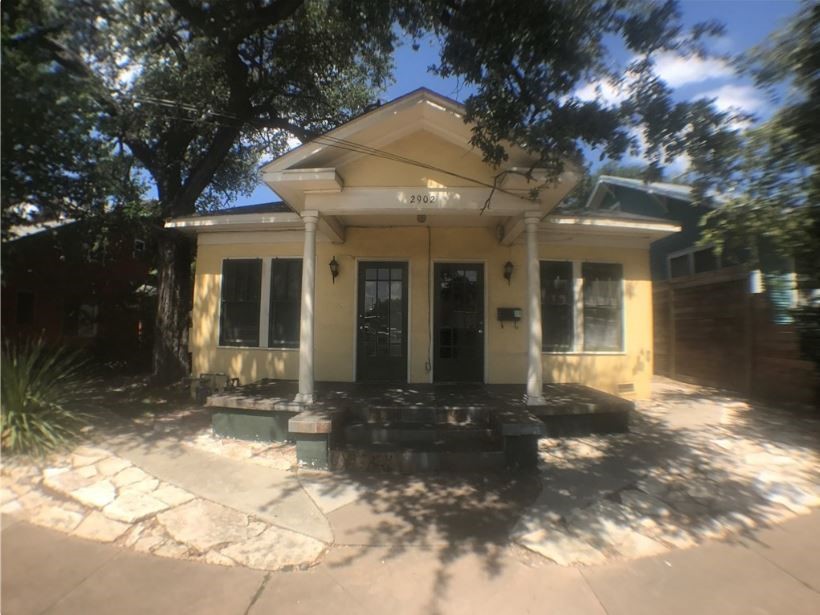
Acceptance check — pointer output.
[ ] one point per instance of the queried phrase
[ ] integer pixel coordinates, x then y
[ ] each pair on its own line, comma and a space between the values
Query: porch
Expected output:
417, 427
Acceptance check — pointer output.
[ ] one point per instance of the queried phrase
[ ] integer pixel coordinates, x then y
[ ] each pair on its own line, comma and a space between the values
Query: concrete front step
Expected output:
461, 415
408, 461
410, 433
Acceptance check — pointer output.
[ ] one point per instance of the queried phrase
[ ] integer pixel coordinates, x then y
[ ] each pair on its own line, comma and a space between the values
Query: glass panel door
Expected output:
459, 322
382, 322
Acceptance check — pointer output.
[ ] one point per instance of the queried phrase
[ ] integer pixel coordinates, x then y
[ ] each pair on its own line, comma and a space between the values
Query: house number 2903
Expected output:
422, 198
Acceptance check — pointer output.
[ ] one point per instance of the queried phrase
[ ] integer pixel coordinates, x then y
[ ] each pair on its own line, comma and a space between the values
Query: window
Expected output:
25, 307
705, 260
285, 302
679, 266
241, 296
582, 307
692, 260
603, 306
557, 306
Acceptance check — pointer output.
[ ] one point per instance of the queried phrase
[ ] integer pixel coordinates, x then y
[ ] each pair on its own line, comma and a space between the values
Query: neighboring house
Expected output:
673, 256
392, 259
716, 322
58, 287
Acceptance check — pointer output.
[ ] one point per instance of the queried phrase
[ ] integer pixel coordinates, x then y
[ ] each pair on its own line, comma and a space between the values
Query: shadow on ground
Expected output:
697, 464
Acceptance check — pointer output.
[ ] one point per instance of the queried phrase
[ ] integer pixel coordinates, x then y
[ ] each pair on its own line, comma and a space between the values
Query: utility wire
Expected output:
337, 143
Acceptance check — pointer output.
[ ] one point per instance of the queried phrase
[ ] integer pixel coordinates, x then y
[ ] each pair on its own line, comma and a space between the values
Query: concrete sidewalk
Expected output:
274, 496
774, 571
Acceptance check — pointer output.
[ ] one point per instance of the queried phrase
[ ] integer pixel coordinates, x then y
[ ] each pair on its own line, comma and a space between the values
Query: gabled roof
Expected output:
360, 122
674, 191
319, 166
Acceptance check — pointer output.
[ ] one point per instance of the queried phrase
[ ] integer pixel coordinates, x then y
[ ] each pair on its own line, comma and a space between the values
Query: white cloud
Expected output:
602, 91
735, 96
678, 71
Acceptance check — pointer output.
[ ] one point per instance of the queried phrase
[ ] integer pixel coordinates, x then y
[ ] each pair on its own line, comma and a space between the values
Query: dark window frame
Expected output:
233, 304
556, 312
285, 303
598, 311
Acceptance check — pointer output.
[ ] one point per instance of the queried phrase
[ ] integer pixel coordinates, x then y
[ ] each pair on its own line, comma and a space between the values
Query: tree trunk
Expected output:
170, 358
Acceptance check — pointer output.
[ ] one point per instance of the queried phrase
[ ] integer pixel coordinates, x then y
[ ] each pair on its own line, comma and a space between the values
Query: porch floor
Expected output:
561, 399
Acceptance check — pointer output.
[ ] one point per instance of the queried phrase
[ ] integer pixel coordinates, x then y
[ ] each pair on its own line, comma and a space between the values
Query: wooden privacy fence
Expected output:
711, 330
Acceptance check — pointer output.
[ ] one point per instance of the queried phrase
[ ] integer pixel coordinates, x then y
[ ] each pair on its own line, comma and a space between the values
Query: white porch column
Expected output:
535, 376
306, 349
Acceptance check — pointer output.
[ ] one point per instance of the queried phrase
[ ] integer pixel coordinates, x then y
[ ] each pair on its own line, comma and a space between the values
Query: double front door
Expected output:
458, 322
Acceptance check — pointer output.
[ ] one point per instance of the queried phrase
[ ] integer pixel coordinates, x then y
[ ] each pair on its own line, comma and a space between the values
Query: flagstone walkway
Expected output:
696, 466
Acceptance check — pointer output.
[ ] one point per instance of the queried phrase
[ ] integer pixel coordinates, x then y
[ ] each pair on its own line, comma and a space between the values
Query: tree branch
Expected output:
217, 21
280, 124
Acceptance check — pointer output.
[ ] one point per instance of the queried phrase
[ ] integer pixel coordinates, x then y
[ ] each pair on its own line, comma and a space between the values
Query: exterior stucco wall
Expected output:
505, 348
372, 171
611, 371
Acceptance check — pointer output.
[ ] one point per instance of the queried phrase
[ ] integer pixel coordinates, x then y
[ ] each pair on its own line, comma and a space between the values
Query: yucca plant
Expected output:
37, 385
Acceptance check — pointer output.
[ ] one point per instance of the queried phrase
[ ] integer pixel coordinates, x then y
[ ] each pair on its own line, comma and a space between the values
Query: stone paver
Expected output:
694, 467
271, 496
276, 549
57, 517
65, 480
129, 476
97, 526
97, 495
131, 507
205, 525
173, 496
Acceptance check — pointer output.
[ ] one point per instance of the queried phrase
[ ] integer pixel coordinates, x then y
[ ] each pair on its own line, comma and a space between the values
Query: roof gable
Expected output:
388, 139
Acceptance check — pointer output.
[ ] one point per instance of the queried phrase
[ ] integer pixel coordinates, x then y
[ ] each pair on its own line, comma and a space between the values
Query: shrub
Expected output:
37, 384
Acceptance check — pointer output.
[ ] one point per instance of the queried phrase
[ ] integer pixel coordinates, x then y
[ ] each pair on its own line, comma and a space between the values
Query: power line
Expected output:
335, 142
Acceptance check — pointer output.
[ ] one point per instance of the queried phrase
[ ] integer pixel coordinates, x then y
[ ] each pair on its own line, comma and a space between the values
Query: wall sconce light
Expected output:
334, 269
508, 269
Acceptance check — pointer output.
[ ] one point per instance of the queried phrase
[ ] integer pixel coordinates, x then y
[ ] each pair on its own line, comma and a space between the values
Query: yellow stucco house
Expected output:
386, 263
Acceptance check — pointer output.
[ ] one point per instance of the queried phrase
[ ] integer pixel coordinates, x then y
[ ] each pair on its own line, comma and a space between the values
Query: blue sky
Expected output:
748, 23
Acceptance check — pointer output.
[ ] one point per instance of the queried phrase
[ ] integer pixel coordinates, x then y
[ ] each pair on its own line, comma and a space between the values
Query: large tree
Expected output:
55, 161
197, 90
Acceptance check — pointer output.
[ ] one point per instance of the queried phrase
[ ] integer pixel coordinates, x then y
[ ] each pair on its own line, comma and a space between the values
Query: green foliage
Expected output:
37, 387
56, 160
773, 189
526, 61
195, 92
